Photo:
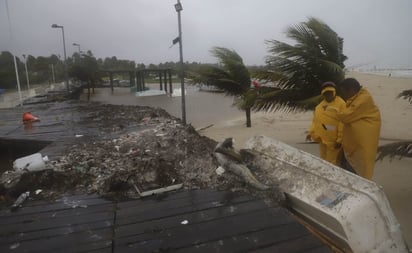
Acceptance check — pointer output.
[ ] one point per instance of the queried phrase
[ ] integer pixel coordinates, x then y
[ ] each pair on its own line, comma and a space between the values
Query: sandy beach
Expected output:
394, 176
206, 109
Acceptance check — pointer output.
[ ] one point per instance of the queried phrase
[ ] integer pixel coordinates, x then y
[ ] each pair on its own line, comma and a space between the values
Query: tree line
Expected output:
81, 66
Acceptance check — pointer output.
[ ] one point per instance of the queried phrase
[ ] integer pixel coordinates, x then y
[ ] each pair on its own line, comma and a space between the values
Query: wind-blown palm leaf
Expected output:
288, 100
315, 58
231, 75
266, 75
233, 65
214, 76
247, 100
400, 149
406, 94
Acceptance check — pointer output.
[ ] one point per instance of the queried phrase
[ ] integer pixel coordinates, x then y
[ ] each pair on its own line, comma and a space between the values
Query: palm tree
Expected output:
299, 70
402, 148
85, 70
230, 75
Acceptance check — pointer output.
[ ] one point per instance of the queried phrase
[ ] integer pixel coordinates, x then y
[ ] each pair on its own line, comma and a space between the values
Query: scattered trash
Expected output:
184, 222
34, 162
73, 203
78, 135
143, 193
28, 117
19, 201
220, 170
38, 191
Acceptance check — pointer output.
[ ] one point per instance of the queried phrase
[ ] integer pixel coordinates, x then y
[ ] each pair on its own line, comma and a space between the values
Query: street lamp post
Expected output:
65, 59
54, 79
27, 73
179, 8
78, 46
14, 56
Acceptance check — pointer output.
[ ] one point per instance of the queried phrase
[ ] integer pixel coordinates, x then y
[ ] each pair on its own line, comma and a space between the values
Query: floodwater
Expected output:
202, 108
11, 98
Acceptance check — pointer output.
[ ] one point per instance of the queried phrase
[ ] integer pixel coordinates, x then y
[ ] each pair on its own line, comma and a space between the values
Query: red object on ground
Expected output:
28, 117
256, 84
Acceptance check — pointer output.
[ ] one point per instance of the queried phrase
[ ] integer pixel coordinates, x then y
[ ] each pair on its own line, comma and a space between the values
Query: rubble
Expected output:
159, 152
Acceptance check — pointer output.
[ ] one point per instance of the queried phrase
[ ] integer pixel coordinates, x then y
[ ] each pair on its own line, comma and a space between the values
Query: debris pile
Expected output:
154, 151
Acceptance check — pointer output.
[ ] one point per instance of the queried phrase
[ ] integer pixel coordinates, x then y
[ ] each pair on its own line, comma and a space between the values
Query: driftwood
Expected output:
230, 160
204, 128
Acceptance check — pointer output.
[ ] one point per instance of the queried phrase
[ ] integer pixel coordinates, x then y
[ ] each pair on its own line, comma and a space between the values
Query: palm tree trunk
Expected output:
248, 119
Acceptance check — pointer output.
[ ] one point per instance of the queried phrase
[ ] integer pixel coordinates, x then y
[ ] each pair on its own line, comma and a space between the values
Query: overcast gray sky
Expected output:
377, 32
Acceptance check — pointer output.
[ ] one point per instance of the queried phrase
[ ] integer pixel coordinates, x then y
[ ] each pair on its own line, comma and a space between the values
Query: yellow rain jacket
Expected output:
362, 124
326, 128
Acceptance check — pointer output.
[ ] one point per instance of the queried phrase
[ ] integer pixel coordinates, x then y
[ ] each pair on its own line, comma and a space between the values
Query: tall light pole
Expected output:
65, 59
27, 73
78, 46
14, 56
179, 8
52, 67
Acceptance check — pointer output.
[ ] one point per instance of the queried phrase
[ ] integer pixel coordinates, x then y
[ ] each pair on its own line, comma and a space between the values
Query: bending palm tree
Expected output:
231, 75
299, 70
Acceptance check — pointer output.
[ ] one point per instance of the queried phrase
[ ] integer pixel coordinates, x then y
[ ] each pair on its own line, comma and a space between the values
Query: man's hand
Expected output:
308, 137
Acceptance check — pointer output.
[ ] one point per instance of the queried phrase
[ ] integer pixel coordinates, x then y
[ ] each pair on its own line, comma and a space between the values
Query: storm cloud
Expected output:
375, 32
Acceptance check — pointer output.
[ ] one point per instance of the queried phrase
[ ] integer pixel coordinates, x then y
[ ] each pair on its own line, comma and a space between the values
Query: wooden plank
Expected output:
76, 242
52, 232
217, 197
79, 197
173, 208
192, 234
67, 213
161, 224
216, 221
55, 223
250, 241
308, 243
165, 197
64, 203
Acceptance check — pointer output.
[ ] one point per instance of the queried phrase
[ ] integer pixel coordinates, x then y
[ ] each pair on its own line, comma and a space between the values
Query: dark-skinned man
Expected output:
362, 124
326, 129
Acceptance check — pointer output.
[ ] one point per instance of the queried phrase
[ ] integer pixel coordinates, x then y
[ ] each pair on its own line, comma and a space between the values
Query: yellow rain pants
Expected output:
327, 129
362, 124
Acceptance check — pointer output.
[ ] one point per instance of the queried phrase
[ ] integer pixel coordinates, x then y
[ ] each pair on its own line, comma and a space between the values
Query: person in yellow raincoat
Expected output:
362, 124
326, 129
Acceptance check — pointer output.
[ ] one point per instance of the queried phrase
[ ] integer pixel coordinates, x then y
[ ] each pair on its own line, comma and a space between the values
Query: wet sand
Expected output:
204, 109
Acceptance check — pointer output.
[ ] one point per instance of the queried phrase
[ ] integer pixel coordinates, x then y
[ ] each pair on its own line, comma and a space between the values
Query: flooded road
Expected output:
202, 108
11, 98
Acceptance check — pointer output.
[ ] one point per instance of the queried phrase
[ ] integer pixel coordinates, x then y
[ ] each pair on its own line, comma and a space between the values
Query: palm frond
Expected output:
309, 103
397, 149
230, 75
233, 64
288, 100
407, 95
316, 57
266, 75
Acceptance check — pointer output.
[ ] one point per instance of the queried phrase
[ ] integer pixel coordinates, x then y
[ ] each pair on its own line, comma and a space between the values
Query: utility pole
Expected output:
179, 8
27, 73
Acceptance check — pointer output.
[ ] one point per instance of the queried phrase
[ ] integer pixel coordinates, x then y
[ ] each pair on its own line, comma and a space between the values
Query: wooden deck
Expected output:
59, 125
187, 221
